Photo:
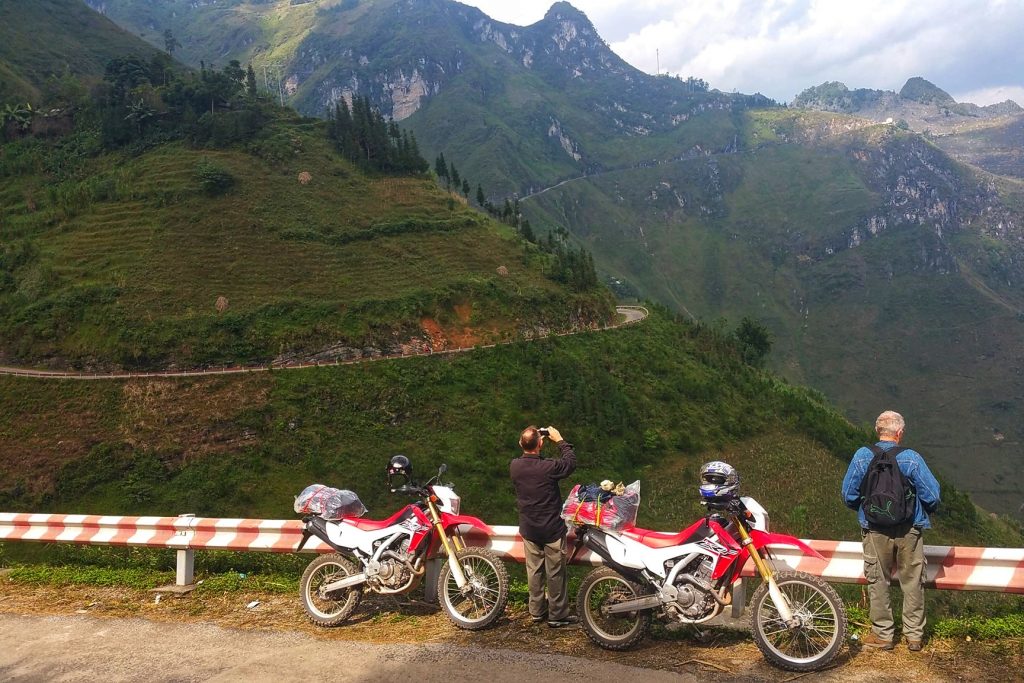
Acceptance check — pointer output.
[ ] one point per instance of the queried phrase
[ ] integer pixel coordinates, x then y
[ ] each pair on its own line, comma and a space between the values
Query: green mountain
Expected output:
888, 272
72, 41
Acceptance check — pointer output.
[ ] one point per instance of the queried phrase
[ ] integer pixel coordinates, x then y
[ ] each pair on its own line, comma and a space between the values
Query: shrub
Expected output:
214, 179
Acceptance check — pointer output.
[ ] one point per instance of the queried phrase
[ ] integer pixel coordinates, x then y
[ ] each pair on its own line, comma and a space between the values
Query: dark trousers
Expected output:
545, 567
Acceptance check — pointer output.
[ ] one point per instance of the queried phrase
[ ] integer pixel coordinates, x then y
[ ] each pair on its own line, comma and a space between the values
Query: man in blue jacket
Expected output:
901, 546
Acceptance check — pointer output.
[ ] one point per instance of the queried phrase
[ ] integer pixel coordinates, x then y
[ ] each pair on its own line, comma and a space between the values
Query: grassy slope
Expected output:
76, 41
996, 148
132, 256
262, 31
649, 402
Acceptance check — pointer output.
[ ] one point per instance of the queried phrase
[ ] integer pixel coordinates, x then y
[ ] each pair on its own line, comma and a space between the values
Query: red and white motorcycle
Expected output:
389, 556
798, 620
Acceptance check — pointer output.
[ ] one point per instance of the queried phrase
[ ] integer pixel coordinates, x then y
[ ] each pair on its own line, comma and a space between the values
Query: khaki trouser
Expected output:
547, 561
905, 550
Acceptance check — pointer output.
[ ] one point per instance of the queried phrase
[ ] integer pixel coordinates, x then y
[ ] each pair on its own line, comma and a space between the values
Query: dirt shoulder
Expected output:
217, 635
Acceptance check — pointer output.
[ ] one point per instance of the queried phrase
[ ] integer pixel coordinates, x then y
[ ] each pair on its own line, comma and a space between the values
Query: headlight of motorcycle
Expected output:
456, 503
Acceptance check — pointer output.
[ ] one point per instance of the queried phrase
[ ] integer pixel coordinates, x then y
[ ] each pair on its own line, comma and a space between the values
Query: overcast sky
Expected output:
973, 49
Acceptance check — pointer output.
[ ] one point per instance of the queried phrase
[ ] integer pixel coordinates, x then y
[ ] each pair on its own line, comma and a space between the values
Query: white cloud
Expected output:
780, 47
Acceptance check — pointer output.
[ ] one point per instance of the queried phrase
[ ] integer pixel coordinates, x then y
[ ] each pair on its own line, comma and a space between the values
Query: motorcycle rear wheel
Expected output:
816, 642
604, 587
328, 609
486, 593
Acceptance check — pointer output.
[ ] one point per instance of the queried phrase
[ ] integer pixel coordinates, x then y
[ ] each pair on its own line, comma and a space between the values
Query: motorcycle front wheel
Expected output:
821, 630
328, 609
482, 600
604, 587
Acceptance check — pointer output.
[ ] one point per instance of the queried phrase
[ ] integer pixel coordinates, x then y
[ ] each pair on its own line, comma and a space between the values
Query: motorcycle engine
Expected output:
691, 602
392, 573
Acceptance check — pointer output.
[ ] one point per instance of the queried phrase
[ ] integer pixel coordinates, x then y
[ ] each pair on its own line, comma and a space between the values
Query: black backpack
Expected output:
888, 498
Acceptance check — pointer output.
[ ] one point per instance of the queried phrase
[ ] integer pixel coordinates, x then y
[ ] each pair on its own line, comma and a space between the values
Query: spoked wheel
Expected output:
821, 629
602, 588
482, 601
328, 609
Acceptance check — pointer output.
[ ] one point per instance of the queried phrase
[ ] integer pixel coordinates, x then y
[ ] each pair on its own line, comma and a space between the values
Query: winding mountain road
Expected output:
631, 315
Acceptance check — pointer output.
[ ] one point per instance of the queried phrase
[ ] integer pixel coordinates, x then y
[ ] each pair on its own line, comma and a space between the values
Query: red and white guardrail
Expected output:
950, 568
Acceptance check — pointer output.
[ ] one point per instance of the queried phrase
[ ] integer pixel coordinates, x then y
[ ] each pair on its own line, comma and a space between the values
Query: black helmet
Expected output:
399, 465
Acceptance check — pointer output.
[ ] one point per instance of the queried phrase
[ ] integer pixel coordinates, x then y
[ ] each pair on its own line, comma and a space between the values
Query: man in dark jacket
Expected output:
540, 523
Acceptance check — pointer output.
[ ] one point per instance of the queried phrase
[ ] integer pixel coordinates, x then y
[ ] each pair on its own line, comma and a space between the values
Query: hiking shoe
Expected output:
873, 641
539, 619
914, 645
567, 621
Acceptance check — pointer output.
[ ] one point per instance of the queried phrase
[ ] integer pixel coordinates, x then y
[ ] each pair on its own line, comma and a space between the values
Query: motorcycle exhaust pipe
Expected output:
347, 582
634, 605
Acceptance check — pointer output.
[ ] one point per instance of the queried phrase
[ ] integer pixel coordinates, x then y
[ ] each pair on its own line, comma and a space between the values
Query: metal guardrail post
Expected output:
185, 573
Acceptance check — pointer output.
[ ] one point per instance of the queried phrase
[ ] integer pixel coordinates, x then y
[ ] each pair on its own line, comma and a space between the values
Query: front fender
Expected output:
449, 521
762, 538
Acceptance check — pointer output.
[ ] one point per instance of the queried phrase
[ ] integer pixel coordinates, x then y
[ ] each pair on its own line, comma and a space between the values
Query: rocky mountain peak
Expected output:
564, 11
926, 92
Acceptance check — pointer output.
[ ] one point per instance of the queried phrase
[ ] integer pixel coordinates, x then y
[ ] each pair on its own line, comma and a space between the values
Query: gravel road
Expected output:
79, 648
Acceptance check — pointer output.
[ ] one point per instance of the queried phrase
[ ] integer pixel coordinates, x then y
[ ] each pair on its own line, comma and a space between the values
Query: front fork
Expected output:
450, 546
765, 570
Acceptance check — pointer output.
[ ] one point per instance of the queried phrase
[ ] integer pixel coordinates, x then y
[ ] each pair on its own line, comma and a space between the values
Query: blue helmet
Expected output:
719, 482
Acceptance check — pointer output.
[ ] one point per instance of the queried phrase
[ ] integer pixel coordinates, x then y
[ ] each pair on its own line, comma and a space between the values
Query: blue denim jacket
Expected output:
914, 469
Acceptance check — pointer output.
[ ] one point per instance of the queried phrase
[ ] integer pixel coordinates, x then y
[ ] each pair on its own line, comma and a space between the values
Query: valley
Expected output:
887, 271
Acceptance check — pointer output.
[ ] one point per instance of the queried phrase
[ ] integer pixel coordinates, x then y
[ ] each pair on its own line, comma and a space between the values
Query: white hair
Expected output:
889, 423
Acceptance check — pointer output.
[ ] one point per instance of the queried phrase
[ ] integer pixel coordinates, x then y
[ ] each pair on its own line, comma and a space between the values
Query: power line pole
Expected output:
276, 69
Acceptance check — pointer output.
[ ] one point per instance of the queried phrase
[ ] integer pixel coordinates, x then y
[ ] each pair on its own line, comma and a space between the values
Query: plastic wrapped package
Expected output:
589, 504
317, 499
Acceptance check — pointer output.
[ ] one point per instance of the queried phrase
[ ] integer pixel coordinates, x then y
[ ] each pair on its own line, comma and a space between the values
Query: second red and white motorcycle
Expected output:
798, 620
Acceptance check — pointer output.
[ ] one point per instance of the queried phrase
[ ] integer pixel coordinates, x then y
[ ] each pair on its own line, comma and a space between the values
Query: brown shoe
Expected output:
873, 641
914, 645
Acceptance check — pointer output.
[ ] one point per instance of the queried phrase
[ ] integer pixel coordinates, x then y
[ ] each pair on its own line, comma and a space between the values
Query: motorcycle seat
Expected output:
375, 524
662, 539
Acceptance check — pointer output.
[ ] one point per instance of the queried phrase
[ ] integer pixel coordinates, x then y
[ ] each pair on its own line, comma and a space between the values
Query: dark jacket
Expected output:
537, 493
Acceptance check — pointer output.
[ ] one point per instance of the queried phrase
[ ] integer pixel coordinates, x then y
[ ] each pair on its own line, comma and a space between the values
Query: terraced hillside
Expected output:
121, 259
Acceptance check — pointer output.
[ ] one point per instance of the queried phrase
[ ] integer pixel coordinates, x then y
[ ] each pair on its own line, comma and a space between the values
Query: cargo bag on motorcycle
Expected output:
591, 504
331, 504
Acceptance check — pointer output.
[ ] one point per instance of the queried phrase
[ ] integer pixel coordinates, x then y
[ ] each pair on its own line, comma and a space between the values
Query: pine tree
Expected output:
420, 164
441, 166
481, 199
456, 180
528, 232
250, 82
465, 188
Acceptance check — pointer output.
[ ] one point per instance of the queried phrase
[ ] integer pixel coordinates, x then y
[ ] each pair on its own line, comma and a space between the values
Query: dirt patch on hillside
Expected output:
720, 655
47, 425
448, 339
48, 430
464, 311
197, 418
